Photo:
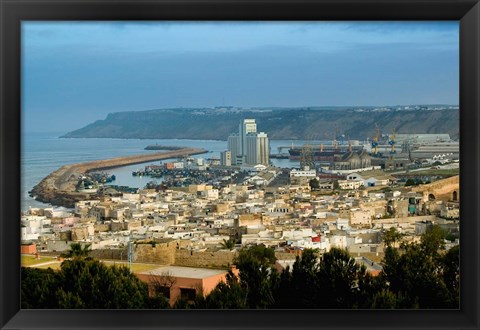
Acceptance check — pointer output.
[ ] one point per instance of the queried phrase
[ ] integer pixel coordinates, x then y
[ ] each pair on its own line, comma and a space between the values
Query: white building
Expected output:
248, 147
226, 158
233, 145
245, 127
350, 185
257, 149
306, 172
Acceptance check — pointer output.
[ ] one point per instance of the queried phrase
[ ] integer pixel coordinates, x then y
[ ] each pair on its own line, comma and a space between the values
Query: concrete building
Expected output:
257, 149
182, 282
245, 127
233, 145
248, 147
226, 158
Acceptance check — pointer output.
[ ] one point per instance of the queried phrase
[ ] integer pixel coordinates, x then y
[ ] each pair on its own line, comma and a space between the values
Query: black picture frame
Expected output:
467, 12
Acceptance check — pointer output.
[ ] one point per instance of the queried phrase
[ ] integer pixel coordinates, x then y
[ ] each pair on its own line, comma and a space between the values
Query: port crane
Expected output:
375, 140
392, 143
306, 157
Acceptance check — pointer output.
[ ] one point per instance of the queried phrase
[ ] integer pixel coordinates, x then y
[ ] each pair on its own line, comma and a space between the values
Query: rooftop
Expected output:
187, 272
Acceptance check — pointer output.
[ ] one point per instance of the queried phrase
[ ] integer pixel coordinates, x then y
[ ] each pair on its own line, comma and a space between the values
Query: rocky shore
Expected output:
59, 187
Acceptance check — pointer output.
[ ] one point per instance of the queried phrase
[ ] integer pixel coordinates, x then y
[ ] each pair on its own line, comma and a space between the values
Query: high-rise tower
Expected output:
249, 147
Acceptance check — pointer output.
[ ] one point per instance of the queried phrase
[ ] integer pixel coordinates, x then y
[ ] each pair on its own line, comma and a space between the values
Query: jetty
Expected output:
59, 187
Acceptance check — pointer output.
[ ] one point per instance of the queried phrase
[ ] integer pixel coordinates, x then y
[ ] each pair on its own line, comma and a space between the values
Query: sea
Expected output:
43, 153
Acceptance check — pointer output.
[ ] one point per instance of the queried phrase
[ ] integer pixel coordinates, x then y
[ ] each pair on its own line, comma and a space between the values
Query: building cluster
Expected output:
194, 231
247, 147
287, 218
185, 230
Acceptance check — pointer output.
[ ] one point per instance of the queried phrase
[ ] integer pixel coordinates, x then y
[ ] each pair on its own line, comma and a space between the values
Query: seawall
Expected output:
59, 187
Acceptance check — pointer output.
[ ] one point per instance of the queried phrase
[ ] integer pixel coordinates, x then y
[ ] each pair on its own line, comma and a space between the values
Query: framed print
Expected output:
239, 164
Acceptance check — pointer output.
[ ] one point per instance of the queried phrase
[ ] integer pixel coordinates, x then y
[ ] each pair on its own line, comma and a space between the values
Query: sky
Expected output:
74, 73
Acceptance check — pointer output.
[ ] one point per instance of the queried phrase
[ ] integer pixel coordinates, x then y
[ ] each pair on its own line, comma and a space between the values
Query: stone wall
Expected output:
441, 189
285, 256
115, 254
405, 219
103, 227
161, 253
79, 233
218, 259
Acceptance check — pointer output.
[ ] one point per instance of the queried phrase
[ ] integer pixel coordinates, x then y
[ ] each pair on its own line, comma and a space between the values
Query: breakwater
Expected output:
59, 187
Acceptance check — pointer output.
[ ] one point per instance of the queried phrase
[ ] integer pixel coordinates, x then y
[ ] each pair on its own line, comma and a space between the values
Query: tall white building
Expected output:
226, 158
249, 147
245, 127
233, 145
257, 149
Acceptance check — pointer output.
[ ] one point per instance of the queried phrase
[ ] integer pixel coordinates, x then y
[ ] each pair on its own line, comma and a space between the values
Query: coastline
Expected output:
59, 187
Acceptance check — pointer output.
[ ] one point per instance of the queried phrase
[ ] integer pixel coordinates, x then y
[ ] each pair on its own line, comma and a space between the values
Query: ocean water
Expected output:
43, 153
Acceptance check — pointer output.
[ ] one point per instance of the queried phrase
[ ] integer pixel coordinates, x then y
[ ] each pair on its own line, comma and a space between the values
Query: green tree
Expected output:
228, 244
384, 299
37, 286
338, 275
101, 286
227, 295
256, 275
410, 182
314, 184
284, 295
451, 273
373, 292
433, 240
391, 236
77, 251
304, 281
415, 275
83, 283
336, 185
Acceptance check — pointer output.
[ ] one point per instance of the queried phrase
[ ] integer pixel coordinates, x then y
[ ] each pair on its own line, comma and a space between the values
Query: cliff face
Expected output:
212, 124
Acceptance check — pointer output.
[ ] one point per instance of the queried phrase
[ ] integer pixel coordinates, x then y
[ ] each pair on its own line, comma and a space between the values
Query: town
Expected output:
194, 231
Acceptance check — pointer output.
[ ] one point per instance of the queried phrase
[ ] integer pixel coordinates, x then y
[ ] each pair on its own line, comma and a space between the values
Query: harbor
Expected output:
60, 187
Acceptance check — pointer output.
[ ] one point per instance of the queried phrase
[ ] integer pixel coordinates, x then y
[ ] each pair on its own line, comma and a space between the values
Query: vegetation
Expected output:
314, 184
31, 260
83, 283
415, 275
284, 123
412, 182
228, 244
76, 250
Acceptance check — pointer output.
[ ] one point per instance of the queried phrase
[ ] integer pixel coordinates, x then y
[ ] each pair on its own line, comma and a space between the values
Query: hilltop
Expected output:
279, 123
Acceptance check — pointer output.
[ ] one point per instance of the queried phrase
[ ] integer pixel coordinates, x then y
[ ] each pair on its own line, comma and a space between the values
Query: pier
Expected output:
59, 187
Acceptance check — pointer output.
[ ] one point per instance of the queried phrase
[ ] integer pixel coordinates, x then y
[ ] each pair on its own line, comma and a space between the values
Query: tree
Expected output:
336, 185
416, 276
254, 264
228, 245
227, 295
37, 286
83, 283
409, 182
391, 236
304, 280
433, 240
77, 251
162, 286
314, 184
338, 275
451, 273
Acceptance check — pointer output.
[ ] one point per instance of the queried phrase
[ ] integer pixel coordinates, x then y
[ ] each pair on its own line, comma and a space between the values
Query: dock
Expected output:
59, 187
